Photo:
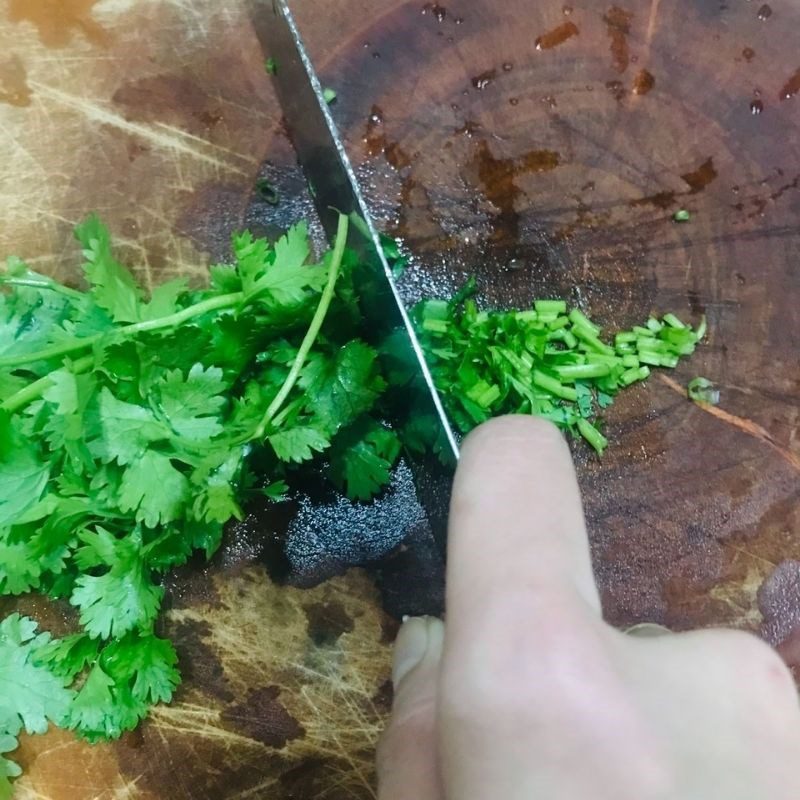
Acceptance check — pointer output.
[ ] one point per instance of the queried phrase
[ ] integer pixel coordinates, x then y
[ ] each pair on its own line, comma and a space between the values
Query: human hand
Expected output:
528, 694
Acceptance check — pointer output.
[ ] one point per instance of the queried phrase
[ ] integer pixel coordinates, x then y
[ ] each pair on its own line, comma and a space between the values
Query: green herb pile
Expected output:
129, 431
133, 428
546, 360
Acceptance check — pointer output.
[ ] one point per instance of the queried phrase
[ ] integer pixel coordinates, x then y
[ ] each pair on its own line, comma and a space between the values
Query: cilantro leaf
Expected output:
19, 569
69, 656
339, 389
298, 444
113, 287
30, 692
191, 405
217, 500
101, 710
280, 272
122, 598
164, 299
23, 472
146, 663
154, 489
124, 430
362, 458
30, 695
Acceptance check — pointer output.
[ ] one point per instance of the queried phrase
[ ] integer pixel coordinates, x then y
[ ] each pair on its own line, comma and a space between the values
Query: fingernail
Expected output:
647, 630
410, 647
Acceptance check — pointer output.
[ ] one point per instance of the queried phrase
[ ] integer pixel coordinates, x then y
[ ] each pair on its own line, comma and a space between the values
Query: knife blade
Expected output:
334, 188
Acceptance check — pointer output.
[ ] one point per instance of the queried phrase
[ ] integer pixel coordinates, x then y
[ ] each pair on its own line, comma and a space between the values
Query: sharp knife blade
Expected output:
335, 188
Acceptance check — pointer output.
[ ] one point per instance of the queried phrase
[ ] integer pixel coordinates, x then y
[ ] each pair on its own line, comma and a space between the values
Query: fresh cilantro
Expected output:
123, 597
114, 289
362, 459
298, 444
339, 390
31, 696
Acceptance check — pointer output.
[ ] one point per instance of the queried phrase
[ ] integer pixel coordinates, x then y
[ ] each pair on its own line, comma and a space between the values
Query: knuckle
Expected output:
758, 663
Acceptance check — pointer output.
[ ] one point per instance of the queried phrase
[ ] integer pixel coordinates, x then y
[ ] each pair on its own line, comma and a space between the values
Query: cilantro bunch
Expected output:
128, 430
547, 360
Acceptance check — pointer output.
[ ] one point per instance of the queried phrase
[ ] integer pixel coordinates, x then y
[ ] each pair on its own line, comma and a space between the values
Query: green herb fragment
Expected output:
702, 390
271, 66
329, 95
267, 191
682, 215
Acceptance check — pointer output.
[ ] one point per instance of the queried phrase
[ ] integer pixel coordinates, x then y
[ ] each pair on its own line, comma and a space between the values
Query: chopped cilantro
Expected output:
702, 390
682, 215
547, 360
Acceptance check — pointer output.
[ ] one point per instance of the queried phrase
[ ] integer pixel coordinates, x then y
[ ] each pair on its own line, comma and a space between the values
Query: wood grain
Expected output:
542, 147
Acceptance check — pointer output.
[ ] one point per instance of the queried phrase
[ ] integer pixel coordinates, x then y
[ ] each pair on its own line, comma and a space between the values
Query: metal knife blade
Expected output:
335, 189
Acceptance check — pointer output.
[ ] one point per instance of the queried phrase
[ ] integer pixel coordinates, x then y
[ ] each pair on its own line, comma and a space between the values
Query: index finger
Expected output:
517, 533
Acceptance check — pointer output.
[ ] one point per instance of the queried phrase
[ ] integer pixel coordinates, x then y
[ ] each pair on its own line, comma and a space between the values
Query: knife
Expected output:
334, 188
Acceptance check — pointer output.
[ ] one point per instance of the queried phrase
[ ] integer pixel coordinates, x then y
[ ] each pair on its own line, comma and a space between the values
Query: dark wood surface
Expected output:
541, 170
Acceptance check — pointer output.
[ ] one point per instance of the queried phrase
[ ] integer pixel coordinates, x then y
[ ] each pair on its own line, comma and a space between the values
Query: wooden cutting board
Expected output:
542, 147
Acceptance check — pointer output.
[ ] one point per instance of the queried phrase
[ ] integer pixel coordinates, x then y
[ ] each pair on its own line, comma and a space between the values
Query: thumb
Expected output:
407, 754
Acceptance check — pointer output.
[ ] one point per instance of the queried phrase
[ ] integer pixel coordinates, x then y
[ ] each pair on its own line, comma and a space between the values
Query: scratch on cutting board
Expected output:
196, 720
163, 136
745, 425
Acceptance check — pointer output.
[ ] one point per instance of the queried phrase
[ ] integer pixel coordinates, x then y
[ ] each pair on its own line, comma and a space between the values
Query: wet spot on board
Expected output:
57, 22
484, 79
618, 25
616, 89
377, 142
169, 99
643, 82
791, 87
557, 36
663, 200
14, 89
263, 718
438, 12
327, 622
698, 179
211, 212
497, 178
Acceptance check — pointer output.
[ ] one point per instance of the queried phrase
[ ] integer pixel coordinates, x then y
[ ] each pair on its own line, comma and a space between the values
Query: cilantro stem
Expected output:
311, 333
43, 283
34, 390
171, 321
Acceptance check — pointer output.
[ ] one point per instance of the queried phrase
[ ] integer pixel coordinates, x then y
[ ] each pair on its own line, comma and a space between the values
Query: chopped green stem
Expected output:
554, 307
592, 435
171, 321
36, 389
574, 372
552, 385
311, 333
